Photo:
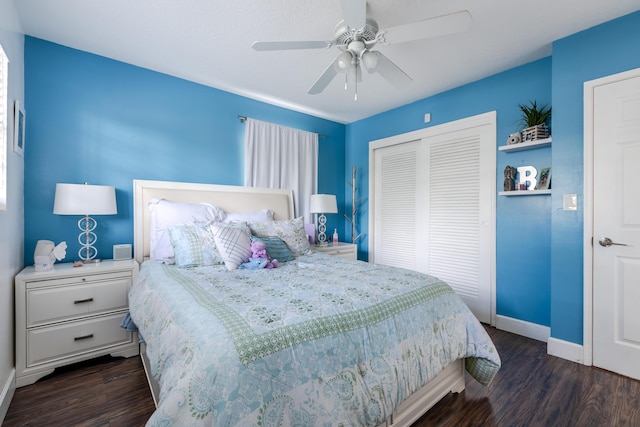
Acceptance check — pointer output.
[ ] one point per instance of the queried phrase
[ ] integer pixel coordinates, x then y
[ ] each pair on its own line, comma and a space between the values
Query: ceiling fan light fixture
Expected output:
344, 61
370, 60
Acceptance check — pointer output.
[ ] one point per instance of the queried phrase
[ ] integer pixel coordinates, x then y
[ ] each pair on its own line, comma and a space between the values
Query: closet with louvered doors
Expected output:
432, 206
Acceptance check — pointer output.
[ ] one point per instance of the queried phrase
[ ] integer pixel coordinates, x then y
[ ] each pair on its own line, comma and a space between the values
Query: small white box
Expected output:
122, 251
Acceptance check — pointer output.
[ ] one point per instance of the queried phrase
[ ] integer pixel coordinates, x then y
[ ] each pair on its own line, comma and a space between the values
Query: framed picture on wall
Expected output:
544, 179
18, 127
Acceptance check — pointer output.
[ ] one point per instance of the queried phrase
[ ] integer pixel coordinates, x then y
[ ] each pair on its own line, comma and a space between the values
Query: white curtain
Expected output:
282, 157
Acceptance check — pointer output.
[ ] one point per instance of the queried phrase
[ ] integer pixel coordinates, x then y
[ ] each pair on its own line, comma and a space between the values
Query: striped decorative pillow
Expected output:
233, 241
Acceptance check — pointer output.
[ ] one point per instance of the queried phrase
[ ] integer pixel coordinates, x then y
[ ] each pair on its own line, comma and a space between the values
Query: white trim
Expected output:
7, 394
589, 89
565, 350
520, 327
454, 126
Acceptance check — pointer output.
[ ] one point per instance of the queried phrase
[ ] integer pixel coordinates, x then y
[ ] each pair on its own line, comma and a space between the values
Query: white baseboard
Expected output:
526, 329
565, 350
555, 347
7, 394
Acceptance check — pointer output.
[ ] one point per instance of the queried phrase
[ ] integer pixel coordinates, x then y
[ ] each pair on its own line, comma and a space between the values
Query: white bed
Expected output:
241, 199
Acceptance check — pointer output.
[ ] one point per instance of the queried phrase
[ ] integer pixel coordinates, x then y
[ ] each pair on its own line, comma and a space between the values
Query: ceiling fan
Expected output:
357, 34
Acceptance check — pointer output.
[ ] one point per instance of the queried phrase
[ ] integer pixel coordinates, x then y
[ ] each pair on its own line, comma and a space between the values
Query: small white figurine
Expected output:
46, 254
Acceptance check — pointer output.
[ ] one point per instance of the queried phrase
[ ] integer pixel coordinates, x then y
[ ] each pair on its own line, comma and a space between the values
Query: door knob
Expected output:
606, 242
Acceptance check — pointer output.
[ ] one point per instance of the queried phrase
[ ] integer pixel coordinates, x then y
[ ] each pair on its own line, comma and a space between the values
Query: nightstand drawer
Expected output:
65, 340
58, 303
341, 250
343, 253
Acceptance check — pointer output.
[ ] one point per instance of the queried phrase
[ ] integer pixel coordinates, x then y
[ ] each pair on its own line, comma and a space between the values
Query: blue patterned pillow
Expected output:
276, 248
194, 246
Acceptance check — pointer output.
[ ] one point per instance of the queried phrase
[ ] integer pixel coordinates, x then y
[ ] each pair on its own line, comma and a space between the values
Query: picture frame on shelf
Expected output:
544, 179
19, 119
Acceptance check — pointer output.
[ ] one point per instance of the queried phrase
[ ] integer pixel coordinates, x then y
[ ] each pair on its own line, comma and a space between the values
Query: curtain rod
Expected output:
244, 118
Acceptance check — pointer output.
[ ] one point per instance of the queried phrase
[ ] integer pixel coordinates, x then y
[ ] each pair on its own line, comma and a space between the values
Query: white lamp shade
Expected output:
323, 203
85, 199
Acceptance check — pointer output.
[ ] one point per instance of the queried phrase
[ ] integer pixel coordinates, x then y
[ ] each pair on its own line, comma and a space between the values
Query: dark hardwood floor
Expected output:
531, 389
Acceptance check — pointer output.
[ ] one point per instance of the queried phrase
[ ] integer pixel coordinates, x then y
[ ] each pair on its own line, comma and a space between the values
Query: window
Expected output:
282, 157
4, 119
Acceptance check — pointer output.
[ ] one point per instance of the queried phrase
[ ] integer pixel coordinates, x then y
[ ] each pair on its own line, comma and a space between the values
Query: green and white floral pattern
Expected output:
318, 341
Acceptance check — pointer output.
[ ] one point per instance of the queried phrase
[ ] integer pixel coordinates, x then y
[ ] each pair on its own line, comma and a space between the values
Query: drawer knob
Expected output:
84, 337
80, 301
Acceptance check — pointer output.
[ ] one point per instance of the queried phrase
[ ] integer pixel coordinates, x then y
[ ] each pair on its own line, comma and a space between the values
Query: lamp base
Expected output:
91, 261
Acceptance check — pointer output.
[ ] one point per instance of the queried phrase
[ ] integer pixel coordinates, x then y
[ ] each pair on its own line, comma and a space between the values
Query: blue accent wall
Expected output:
606, 49
93, 119
523, 224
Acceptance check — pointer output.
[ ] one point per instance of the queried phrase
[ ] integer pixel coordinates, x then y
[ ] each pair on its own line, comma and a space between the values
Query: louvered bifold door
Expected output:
400, 172
453, 226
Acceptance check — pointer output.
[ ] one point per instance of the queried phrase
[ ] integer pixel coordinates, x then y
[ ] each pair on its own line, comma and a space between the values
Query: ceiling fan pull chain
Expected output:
355, 96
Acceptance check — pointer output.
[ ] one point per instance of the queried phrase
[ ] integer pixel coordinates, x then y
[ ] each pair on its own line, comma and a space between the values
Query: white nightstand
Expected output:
343, 250
70, 314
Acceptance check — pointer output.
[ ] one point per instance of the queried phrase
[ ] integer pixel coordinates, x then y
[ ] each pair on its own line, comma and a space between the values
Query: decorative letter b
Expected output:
528, 174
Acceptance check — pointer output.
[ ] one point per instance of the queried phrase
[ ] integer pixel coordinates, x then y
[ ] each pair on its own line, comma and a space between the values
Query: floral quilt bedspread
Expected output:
319, 341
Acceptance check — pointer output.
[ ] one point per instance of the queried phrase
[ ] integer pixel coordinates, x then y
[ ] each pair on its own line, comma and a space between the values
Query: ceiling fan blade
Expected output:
354, 13
390, 71
289, 45
324, 79
439, 26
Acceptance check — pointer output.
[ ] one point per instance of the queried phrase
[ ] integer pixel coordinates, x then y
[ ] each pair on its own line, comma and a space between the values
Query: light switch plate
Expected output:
570, 202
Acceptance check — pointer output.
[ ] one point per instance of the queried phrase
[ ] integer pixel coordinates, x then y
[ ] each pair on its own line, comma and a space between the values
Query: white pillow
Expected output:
265, 215
165, 214
233, 241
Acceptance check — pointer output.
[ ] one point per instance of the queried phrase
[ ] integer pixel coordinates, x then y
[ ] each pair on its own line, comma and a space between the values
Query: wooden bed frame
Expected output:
244, 199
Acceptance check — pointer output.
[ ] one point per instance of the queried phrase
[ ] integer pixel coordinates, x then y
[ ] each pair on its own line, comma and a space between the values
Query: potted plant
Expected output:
534, 119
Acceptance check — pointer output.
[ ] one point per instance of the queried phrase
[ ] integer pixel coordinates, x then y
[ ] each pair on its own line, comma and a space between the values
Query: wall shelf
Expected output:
526, 145
525, 193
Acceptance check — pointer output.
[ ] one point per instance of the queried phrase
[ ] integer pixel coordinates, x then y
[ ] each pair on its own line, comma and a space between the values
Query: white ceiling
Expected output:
209, 42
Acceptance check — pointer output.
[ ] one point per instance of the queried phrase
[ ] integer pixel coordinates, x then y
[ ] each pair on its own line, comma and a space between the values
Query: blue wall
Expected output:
105, 122
607, 49
523, 223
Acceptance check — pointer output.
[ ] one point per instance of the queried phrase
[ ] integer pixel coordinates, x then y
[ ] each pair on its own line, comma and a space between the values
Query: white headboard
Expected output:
230, 198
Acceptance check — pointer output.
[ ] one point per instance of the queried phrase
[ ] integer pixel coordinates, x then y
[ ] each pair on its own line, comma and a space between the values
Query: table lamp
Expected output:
323, 204
85, 199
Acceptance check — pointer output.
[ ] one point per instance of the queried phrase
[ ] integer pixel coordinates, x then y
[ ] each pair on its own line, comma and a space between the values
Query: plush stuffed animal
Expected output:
259, 257
254, 263
259, 250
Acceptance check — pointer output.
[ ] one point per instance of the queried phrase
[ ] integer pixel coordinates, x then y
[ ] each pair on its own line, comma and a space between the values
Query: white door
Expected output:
432, 198
616, 226
399, 206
